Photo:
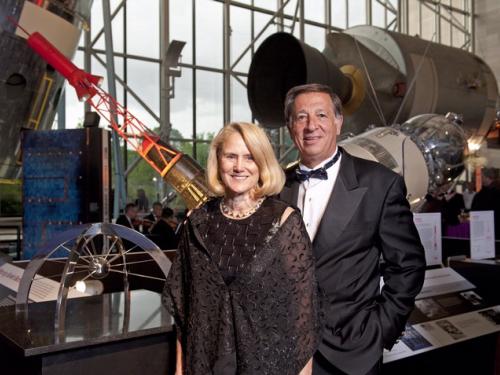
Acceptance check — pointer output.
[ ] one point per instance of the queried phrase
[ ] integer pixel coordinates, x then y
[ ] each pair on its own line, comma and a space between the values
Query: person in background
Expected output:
488, 198
129, 217
142, 201
356, 214
453, 206
433, 202
468, 194
173, 222
152, 217
162, 232
242, 288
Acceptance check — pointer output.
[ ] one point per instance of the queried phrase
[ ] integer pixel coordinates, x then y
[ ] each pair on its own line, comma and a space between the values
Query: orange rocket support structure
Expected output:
176, 168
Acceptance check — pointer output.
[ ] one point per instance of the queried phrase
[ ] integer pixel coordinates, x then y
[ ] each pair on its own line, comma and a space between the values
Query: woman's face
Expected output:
238, 171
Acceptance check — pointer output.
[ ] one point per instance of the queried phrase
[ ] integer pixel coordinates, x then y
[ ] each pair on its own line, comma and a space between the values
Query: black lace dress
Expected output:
243, 293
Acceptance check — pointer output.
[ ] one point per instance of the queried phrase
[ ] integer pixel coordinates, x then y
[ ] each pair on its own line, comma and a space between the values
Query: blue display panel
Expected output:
62, 183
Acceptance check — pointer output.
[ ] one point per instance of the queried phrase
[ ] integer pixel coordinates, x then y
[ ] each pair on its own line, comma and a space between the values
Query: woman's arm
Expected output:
308, 368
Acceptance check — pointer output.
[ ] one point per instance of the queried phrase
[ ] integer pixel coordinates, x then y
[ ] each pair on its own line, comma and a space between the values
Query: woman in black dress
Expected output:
242, 287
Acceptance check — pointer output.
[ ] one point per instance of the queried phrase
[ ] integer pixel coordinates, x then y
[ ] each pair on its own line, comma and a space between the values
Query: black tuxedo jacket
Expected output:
150, 217
367, 218
122, 220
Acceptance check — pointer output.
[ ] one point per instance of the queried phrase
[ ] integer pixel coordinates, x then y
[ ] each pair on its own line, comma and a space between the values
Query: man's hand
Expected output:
178, 366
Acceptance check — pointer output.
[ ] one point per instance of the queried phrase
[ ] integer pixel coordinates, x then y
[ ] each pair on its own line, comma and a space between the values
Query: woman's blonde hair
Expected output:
271, 175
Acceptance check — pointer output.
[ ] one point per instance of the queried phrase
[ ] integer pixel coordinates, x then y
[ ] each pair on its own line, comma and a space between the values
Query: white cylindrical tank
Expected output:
396, 151
427, 150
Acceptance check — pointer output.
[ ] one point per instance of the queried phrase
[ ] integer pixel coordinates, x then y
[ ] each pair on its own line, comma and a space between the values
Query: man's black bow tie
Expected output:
320, 173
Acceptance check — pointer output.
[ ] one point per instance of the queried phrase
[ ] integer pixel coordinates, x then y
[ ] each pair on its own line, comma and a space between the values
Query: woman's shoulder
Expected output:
277, 210
206, 208
274, 201
279, 206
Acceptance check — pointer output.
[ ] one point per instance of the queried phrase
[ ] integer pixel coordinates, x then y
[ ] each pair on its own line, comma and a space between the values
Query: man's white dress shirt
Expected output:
314, 195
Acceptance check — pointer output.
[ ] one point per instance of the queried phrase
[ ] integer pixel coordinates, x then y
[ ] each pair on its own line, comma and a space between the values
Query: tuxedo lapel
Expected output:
290, 192
344, 200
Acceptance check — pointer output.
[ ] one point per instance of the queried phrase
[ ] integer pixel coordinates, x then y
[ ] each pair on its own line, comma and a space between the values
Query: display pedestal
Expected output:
101, 335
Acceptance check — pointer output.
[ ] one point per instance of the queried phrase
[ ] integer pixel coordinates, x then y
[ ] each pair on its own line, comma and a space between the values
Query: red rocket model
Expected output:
83, 82
187, 177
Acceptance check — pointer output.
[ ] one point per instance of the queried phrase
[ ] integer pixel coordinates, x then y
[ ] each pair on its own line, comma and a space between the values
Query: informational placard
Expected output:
429, 229
482, 234
443, 281
42, 289
427, 336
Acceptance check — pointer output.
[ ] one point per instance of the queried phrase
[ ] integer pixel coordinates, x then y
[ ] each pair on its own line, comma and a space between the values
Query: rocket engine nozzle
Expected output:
282, 62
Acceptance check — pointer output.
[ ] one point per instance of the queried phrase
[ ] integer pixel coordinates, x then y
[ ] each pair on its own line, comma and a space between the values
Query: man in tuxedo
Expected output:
149, 220
129, 216
488, 198
356, 213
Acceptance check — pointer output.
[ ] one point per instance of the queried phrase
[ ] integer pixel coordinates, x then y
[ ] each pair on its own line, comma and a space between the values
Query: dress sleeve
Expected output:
174, 296
299, 267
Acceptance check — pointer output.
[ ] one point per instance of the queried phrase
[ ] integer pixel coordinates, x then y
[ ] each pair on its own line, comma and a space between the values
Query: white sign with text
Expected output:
429, 229
482, 234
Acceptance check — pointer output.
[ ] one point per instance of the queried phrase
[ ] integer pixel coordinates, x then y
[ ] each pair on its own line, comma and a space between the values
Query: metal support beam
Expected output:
389, 8
403, 16
120, 197
128, 89
132, 165
125, 78
368, 10
61, 110
193, 84
328, 16
438, 22
281, 28
164, 71
440, 16
285, 154
271, 12
302, 31
295, 18
101, 31
420, 19
346, 7
226, 44
165, 87
472, 17
448, 7
250, 46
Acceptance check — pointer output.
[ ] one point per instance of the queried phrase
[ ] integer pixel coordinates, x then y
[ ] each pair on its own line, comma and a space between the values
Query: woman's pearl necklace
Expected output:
236, 215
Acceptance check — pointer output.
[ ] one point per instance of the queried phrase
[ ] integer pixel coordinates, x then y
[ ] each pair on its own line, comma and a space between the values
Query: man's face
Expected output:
132, 212
487, 181
314, 127
157, 210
